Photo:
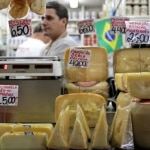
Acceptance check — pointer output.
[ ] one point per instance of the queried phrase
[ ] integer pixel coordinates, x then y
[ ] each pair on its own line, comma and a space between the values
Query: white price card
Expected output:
79, 58
20, 27
86, 26
137, 32
117, 25
8, 95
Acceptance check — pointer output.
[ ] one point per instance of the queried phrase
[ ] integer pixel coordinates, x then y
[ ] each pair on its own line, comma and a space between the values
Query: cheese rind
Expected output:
96, 71
90, 103
139, 85
131, 60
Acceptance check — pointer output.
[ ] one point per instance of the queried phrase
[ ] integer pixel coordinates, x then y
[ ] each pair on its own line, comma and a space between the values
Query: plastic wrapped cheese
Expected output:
100, 135
132, 60
97, 70
23, 140
90, 103
139, 85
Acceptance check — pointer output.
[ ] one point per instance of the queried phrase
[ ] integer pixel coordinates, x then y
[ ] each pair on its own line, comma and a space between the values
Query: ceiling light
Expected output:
73, 3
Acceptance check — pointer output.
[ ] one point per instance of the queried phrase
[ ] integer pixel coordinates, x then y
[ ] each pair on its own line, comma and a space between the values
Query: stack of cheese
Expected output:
77, 134
129, 65
24, 136
90, 79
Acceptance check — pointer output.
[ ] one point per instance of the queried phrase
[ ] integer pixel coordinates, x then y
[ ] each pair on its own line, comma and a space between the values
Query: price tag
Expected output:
20, 27
117, 25
8, 95
79, 58
86, 26
137, 32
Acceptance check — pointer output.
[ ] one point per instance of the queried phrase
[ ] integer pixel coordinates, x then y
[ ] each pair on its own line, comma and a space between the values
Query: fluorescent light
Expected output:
73, 3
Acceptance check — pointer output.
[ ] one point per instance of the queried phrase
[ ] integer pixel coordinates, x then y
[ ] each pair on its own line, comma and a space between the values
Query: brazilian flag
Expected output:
106, 39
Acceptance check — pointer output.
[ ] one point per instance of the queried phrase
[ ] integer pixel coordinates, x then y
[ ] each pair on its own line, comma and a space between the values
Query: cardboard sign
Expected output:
79, 58
20, 27
8, 95
137, 32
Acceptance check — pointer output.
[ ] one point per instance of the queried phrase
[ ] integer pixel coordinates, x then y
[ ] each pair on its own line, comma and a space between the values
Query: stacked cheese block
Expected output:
132, 77
24, 136
90, 79
74, 117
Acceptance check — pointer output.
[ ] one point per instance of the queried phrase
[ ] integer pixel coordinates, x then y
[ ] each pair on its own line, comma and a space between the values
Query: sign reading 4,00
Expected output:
8, 100
137, 38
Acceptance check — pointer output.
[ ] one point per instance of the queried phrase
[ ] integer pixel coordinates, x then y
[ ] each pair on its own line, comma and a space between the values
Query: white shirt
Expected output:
58, 47
31, 47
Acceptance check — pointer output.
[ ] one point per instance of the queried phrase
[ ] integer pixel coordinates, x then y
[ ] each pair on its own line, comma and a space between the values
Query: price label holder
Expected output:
8, 95
79, 58
20, 27
117, 25
86, 26
137, 32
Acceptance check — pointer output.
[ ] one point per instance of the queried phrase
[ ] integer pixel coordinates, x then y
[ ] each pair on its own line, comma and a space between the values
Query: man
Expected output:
54, 24
34, 44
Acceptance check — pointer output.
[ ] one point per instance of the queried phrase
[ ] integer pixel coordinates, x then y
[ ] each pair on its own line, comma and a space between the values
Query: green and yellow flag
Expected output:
106, 39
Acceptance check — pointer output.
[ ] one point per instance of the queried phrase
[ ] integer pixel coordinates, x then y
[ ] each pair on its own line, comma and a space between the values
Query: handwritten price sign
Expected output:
20, 27
86, 26
8, 95
137, 32
79, 58
118, 25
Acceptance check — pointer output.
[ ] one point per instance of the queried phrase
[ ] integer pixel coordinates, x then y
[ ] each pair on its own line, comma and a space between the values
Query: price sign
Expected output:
138, 32
8, 95
117, 25
79, 58
86, 26
20, 27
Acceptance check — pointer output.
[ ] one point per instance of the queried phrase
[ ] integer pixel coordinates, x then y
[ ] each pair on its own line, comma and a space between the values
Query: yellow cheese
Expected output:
119, 128
6, 127
60, 135
121, 81
80, 133
100, 135
131, 60
47, 128
96, 71
139, 85
90, 103
23, 141
123, 99
98, 88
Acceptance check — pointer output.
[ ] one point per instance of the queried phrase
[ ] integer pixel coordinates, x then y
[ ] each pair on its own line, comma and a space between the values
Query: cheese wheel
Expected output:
24, 140
96, 71
139, 85
4, 4
132, 60
98, 88
90, 103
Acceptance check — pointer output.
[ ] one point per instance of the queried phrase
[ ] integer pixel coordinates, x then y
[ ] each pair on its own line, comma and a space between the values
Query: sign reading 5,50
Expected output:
11, 101
138, 38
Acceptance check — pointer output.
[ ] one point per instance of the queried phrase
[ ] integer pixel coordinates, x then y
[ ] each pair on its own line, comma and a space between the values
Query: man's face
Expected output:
53, 26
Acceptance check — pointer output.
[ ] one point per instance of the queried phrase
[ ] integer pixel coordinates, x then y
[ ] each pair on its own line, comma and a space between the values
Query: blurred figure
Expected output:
54, 24
33, 45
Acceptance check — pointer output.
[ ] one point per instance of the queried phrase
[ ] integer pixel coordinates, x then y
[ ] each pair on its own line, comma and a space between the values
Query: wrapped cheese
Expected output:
100, 135
132, 60
90, 103
139, 85
6, 127
60, 135
97, 69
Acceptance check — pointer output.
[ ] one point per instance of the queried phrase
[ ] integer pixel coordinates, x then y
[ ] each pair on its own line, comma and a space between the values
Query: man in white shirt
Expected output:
54, 24
33, 45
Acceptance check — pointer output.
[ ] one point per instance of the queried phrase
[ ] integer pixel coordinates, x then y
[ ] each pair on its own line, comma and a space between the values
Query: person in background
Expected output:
33, 45
54, 24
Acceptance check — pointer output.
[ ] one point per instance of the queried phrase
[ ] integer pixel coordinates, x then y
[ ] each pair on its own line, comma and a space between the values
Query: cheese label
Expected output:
79, 58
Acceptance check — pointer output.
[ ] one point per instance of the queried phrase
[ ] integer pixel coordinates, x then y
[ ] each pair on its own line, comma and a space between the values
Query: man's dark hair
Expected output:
37, 28
61, 10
